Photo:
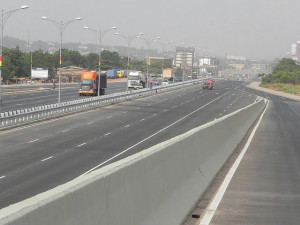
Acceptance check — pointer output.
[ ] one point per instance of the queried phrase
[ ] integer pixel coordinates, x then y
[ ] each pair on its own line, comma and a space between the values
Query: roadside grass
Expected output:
287, 88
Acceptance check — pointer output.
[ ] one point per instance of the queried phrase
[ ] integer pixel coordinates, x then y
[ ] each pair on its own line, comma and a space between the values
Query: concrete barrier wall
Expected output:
156, 186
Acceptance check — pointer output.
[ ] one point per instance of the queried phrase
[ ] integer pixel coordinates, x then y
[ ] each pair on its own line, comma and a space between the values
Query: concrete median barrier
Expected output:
156, 186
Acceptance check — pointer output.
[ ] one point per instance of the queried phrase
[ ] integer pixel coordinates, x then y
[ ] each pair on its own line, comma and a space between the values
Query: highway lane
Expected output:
44, 155
68, 93
266, 186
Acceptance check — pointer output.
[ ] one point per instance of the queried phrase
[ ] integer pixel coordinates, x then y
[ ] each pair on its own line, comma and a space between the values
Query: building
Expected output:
184, 57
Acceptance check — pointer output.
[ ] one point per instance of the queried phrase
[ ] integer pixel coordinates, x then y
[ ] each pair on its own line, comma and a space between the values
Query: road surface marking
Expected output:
19, 104
165, 110
172, 124
107, 134
33, 141
155, 114
43, 160
142, 120
90, 123
81, 144
137, 108
127, 125
219, 195
125, 112
148, 104
2, 177
64, 131
109, 117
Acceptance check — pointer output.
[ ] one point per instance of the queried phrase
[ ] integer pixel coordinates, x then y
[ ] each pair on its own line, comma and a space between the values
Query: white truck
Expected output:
136, 80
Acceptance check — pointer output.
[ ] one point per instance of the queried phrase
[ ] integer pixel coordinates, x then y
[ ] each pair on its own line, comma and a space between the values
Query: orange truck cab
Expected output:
90, 81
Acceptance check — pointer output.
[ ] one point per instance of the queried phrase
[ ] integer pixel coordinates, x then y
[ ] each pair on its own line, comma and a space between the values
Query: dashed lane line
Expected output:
43, 160
33, 141
81, 145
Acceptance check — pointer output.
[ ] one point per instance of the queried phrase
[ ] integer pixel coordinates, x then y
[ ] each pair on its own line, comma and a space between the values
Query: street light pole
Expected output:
100, 35
148, 56
62, 26
4, 18
129, 40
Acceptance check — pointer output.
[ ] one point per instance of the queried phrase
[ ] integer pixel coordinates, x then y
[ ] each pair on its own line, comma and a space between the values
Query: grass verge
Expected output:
287, 88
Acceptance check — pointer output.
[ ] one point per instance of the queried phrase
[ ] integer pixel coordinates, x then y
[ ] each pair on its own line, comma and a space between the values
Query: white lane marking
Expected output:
137, 108
127, 125
19, 104
218, 197
165, 110
2, 177
107, 134
109, 117
43, 160
81, 145
142, 120
90, 123
125, 112
33, 141
172, 124
64, 131
173, 107
155, 114
148, 104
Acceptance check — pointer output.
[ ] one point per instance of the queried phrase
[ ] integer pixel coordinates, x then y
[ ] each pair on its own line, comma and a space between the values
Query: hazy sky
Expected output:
251, 28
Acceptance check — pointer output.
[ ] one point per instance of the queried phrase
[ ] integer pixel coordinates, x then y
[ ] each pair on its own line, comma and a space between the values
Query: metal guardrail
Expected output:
23, 116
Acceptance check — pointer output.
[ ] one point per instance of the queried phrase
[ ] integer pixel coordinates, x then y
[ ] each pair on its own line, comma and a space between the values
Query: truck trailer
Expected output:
90, 83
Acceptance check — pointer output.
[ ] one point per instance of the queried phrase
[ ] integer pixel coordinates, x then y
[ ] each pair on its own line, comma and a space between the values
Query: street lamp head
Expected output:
85, 27
116, 33
78, 18
24, 7
44, 17
114, 28
141, 34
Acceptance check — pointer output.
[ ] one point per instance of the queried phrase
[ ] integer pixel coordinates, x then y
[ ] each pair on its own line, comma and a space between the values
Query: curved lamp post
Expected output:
4, 18
100, 33
61, 26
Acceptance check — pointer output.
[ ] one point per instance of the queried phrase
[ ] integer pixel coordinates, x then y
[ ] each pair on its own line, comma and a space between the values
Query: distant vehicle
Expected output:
136, 85
155, 82
178, 79
135, 80
165, 82
208, 83
112, 73
90, 83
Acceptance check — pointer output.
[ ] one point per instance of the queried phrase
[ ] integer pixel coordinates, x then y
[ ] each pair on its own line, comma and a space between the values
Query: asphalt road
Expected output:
37, 98
265, 189
41, 156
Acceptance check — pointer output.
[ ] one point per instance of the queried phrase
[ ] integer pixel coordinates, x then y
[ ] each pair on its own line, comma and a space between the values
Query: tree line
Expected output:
18, 64
286, 71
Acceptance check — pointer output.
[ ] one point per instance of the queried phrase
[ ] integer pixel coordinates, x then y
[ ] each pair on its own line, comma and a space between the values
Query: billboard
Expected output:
41, 73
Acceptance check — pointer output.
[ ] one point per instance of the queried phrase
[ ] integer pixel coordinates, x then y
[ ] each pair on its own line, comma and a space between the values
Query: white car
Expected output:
165, 82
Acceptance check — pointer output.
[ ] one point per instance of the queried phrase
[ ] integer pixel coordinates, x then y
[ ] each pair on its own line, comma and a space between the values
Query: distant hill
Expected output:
51, 47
